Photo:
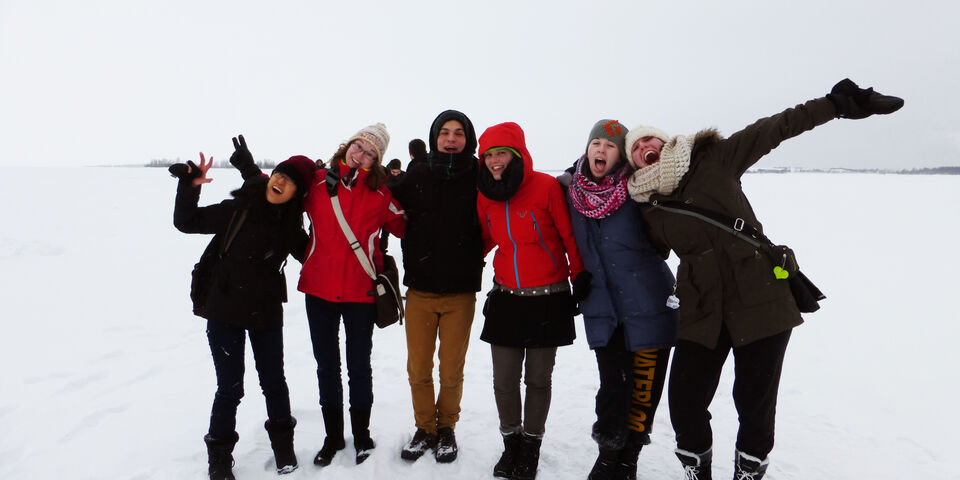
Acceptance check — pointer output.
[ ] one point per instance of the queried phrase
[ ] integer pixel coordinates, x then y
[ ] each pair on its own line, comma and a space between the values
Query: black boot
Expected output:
360, 425
447, 448
748, 467
627, 460
281, 441
220, 456
854, 102
508, 459
696, 466
333, 442
529, 458
419, 444
605, 466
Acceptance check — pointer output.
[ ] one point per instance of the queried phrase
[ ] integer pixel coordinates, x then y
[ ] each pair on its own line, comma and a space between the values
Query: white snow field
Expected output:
106, 374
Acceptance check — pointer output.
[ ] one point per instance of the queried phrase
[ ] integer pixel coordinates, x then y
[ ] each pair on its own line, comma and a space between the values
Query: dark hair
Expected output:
378, 175
418, 149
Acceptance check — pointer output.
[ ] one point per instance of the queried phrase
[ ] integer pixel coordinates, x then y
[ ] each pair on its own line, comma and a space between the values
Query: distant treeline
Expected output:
166, 162
913, 171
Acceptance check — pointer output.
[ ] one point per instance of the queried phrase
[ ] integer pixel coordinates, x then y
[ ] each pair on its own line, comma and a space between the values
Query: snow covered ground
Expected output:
107, 375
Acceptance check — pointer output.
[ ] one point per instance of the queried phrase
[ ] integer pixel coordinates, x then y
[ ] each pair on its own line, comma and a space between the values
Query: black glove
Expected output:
581, 286
854, 102
185, 171
332, 179
242, 159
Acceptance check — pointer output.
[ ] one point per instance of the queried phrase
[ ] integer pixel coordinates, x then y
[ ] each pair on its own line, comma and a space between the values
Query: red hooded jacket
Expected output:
531, 229
331, 270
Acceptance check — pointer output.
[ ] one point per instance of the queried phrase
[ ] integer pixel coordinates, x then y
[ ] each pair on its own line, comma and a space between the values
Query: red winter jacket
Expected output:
331, 270
531, 230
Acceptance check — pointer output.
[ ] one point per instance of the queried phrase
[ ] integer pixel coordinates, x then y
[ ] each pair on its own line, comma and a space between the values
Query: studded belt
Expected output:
559, 287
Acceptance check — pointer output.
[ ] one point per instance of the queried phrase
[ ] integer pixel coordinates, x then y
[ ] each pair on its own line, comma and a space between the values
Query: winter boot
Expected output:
360, 425
627, 460
333, 442
508, 459
748, 467
696, 466
220, 456
529, 458
420, 443
605, 465
281, 441
447, 449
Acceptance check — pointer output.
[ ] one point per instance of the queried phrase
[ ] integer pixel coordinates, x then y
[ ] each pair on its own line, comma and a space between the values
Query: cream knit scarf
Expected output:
664, 176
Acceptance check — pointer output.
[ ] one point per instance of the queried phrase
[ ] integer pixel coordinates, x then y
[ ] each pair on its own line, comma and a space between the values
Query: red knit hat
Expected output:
300, 169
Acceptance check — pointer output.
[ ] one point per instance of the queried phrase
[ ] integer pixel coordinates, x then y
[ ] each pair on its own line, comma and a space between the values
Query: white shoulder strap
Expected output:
354, 244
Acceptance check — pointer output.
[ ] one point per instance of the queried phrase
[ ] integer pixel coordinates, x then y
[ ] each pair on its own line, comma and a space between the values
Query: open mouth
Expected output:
599, 164
277, 190
651, 157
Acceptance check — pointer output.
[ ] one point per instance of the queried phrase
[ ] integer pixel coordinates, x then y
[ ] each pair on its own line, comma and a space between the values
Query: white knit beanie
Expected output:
375, 135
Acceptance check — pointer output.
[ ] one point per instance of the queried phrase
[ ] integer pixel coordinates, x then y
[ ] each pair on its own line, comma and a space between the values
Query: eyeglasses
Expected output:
372, 155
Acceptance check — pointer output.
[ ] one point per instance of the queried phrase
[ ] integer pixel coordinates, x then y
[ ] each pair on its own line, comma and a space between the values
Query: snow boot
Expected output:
360, 425
605, 466
627, 460
748, 467
220, 456
508, 459
281, 441
333, 442
420, 443
529, 458
696, 466
447, 448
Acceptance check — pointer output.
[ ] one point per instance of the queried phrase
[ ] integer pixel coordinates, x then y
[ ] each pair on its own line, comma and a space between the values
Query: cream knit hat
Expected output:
375, 135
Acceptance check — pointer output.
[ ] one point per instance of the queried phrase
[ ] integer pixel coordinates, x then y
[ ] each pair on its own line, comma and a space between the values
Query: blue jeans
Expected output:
227, 347
358, 319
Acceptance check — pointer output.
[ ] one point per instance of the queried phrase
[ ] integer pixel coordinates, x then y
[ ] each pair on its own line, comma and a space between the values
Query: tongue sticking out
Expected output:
651, 157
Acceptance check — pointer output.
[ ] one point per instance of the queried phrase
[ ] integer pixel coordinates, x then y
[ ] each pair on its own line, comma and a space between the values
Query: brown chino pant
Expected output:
430, 316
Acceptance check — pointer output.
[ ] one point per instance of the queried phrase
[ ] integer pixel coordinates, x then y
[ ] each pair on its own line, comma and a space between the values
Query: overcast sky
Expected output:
110, 82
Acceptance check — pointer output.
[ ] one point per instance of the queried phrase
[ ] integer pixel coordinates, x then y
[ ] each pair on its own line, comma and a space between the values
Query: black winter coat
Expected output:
248, 285
442, 249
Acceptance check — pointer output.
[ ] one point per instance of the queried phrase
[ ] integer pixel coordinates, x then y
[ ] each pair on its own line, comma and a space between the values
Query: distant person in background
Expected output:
418, 152
442, 268
254, 233
394, 176
529, 311
730, 296
627, 320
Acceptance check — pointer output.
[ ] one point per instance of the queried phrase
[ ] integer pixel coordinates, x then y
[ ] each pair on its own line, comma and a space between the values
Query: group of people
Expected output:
591, 242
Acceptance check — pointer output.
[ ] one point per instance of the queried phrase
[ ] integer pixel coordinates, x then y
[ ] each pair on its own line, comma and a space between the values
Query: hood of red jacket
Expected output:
507, 134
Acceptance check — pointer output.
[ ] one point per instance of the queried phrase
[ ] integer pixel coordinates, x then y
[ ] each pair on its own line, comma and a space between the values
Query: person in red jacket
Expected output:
336, 284
529, 312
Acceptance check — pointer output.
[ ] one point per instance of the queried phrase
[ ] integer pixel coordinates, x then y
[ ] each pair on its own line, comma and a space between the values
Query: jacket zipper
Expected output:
540, 234
516, 269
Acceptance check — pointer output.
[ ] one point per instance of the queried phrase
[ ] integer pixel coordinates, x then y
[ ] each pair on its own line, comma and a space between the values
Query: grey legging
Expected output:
508, 364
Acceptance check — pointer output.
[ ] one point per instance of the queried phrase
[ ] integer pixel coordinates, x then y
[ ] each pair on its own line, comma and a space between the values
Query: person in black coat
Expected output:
253, 234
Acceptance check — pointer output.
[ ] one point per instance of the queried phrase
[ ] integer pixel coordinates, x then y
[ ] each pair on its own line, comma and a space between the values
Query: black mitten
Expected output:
855, 103
242, 159
185, 171
581, 286
332, 179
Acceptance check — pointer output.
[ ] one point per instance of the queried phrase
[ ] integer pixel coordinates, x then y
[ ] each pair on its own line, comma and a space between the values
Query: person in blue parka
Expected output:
626, 316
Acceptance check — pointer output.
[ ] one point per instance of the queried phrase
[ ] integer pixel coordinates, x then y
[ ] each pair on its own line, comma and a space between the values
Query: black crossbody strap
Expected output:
232, 229
737, 227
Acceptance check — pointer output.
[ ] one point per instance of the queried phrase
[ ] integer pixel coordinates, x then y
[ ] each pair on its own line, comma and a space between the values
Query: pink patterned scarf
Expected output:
597, 200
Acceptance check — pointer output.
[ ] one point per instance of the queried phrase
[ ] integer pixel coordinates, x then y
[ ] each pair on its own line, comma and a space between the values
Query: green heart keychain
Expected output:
780, 273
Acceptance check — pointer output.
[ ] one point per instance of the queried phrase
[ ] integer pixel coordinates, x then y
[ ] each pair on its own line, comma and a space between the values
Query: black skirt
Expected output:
528, 321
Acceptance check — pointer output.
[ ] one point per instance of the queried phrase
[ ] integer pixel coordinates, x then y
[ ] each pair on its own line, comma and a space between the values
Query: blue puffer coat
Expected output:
631, 282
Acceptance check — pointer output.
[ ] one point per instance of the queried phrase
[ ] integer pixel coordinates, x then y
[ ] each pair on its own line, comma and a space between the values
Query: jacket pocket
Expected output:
753, 274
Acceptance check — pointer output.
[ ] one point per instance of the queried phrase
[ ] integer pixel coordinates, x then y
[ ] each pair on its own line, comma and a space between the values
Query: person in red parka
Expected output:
529, 312
336, 284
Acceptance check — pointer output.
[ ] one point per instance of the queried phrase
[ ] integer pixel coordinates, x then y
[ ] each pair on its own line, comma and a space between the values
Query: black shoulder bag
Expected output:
202, 276
785, 266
